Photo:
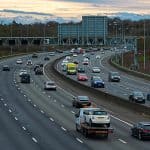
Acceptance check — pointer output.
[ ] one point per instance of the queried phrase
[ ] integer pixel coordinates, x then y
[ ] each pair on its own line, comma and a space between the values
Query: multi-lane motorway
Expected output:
32, 118
121, 89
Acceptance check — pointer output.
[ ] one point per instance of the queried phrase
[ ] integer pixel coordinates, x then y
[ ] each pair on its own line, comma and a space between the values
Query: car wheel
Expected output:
139, 136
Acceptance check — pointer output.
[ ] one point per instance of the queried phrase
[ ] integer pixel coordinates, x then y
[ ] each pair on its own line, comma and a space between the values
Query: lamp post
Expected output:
144, 48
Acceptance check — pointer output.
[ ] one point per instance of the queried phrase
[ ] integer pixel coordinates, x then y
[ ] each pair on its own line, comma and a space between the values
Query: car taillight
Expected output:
146, 131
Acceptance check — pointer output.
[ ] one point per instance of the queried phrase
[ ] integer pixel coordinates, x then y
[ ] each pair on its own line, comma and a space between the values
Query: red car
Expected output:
82, 77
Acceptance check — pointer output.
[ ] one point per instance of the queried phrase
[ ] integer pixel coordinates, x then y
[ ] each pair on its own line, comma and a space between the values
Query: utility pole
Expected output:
144, 47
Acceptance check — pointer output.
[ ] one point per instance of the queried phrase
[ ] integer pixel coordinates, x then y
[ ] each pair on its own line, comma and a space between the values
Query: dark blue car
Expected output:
97, 82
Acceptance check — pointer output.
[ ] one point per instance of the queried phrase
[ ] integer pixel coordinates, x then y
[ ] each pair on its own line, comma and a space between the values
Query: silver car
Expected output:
49, 85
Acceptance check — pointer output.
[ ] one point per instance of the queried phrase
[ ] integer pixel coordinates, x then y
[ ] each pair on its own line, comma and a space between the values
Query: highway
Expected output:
122, 89
24, 126
45, 119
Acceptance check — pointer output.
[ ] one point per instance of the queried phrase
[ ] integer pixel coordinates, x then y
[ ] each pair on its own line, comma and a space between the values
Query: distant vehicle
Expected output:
85, 61
81, 101
39, 71
64, 62
76, 61
64, 68
22, 71
81, 69
25, 78
71, 68
49, 85
36, 66
46, 58
114, 77
34, 55
6, 68
82, 77
59, 51
141, 130
98, 57
97, 82
96, 116
29, 62
74, 55
137, 96
96, 70
51, 53
19, 61
68, 58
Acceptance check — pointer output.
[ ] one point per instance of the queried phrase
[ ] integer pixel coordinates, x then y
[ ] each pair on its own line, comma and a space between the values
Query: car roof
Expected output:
50, 82
90, 108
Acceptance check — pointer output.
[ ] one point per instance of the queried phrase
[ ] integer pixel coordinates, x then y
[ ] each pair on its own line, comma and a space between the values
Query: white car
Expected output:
98, 57
64, 62
75, 55
19, 61
96, 70
29, 62
94, 116
22, 71
49, 85
68, 58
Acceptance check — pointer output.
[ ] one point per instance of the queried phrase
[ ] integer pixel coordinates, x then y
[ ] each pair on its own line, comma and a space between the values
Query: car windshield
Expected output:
99, 113
50, 83
147, 127
138, 94
83, 98
115, 73
95, 68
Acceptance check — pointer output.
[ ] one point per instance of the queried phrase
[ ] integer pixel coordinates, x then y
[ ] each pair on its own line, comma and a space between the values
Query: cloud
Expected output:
25, 12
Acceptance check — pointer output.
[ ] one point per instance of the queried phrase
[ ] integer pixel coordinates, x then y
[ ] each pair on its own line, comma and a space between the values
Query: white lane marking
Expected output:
25, 96
124, 142
63, 128
79, 140
49, 96
24, 128
16, 118
72, 112
129, 124
5, 104
2, 99
18, 88
44, 92
51, 119
34, 105
10, 110
34, 139
42, 111
29, 100
55, 100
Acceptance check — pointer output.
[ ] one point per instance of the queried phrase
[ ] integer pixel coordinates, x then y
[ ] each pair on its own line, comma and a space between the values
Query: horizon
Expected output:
71, 10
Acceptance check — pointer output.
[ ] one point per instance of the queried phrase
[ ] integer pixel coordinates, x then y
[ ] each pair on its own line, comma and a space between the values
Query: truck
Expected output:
71, 68
86, 129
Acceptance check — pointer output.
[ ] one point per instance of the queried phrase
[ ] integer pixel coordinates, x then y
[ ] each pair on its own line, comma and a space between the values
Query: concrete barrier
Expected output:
131, 72
106, 96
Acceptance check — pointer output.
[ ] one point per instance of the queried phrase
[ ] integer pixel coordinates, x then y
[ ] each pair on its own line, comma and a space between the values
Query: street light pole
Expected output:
144, 46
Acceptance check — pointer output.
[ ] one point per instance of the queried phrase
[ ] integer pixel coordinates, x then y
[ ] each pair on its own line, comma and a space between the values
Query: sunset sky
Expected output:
71, 9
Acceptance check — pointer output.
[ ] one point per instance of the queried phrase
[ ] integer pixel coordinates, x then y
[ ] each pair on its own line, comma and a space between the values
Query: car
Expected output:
96, 116
97, 82
51, 53
82, 77
36, 66
34, 55
22, 71
137, 96
68, 58
46, 58
141, 130
64, 62
96, 70
6, 68
29, 62
25, 78
81, 101
64, 68
113, 76
76, 61
39, 71
98, 57
81, 69
59, 51
19, 61
49, 85
74, 55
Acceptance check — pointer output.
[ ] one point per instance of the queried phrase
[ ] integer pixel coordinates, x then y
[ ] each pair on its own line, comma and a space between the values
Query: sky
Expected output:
69, 9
